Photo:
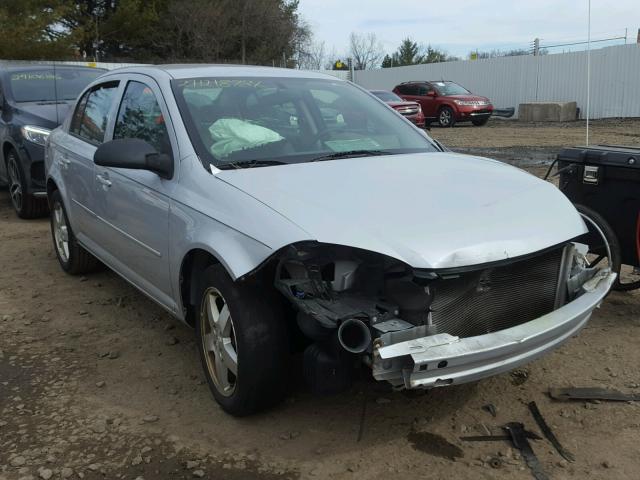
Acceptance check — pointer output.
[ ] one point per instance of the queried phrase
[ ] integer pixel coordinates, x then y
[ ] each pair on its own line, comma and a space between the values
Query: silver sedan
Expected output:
291, 216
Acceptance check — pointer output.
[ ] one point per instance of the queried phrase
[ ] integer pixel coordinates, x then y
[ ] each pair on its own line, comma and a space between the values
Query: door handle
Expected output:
103, 180
64, 161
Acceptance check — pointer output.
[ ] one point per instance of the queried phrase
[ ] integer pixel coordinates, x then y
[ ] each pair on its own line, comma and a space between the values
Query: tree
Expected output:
504, 53
244, 31
366, 50
29, 30
410, 53
312, 55
433, 55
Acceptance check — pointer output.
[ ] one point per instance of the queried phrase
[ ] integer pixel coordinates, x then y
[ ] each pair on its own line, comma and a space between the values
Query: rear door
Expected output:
415, 92
133, 205
428, 102
74, 156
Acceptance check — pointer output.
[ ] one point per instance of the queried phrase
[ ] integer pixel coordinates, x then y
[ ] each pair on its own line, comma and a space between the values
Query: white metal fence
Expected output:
509, 81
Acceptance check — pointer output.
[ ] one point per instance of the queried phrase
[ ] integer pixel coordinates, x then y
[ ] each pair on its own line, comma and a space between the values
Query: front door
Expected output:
133, 205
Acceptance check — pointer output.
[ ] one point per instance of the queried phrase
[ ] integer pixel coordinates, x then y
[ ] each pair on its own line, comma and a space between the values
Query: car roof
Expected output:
17, 66
178, 71
427, 81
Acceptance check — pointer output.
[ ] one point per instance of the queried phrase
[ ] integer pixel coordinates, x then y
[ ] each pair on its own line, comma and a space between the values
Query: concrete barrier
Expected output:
547, 112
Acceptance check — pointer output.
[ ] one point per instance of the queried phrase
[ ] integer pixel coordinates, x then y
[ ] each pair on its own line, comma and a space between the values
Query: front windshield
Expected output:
235, 122
450, 88
49, 85
387, 96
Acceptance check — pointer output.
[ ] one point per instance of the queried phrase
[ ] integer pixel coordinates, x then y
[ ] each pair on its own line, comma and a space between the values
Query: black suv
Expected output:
34, 99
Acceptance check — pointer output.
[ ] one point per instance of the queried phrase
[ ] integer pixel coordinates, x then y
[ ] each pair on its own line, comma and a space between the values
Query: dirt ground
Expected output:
528, 144
97, 382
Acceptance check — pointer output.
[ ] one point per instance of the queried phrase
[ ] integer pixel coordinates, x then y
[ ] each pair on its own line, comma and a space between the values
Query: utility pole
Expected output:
96, 44
536, 47
638, 41
588, 67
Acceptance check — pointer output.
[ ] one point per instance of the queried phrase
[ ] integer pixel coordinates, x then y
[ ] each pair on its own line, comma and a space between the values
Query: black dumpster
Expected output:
606, 179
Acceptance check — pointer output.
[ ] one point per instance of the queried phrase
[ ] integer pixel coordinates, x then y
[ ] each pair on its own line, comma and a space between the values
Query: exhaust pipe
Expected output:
354, 336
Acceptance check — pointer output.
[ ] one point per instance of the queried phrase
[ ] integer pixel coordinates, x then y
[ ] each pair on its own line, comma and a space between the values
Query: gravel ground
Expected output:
97, 382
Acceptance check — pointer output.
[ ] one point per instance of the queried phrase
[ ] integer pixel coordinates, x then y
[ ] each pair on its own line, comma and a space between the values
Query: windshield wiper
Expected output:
252, 164
351, 154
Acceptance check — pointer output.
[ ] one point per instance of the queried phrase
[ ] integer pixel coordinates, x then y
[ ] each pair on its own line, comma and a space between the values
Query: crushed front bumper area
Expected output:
443, 359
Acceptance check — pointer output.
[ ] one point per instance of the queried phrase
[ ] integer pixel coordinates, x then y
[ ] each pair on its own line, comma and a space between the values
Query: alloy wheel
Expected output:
445, 118
15, 183
219, 341
61, 232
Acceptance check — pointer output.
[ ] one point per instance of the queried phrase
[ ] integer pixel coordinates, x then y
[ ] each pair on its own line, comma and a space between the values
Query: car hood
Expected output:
430, 210
48, 115
402, 104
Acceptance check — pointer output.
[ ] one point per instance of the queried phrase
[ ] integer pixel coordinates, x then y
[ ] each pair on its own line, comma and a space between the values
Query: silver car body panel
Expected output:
430, 211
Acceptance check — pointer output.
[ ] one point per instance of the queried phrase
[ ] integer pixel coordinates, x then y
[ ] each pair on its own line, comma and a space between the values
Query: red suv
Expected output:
446, 102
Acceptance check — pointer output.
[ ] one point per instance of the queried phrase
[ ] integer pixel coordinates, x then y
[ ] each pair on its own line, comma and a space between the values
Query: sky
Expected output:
462, 26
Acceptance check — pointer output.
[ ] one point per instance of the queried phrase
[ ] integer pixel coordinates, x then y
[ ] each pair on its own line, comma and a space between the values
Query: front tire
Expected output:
26, 205
597, 248
73, 258
446, 117
242, 340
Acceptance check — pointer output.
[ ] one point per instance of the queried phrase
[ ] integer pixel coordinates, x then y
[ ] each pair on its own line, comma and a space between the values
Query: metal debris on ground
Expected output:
519, 439
548, 433
491, 408
495, 438
591, 393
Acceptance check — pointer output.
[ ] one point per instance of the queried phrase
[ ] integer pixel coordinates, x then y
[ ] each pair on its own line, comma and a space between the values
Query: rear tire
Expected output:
479, 122
243, 343
26, 205
73, 258
446, 117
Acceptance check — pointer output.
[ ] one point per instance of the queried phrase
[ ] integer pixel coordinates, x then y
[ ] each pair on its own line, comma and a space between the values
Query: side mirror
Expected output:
133, 153
431, 93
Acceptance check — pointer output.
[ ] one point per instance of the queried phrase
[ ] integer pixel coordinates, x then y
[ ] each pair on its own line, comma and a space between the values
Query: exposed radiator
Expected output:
497, 298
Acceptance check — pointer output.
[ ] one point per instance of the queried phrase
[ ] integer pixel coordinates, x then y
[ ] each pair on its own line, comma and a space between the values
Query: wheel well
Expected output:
6, 147
51, 187
193, 264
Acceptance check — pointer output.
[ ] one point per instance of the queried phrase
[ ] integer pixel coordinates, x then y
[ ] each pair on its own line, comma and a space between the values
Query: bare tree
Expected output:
366, 50
312, 55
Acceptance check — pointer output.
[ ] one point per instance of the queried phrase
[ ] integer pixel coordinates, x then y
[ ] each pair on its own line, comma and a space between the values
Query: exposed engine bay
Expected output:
353, 304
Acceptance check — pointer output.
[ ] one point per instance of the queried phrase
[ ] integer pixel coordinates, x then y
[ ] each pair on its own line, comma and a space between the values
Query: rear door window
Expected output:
91, 116
409, 89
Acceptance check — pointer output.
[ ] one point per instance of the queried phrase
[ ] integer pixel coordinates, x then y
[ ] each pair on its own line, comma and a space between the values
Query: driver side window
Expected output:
140, 116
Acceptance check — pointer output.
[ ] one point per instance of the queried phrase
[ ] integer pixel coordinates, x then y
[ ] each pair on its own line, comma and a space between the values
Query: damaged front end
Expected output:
426, 328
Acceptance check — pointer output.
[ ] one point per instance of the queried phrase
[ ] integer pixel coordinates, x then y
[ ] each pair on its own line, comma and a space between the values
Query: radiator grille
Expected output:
408, 110
497, 298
